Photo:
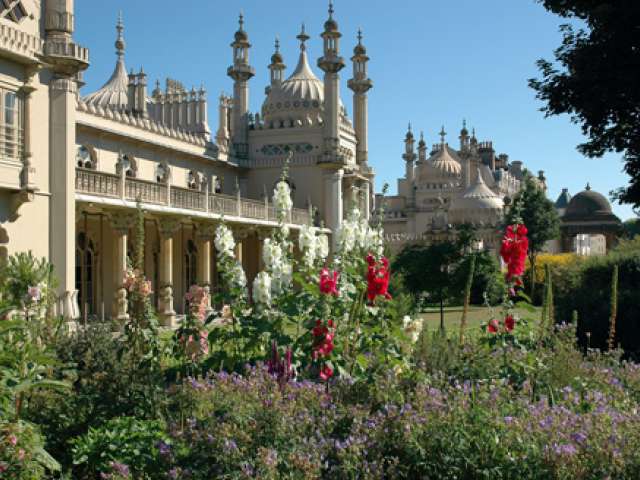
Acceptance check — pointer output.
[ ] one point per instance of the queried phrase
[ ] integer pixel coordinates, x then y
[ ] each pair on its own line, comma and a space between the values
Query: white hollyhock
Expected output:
412, 327
238, 277
224, 241
262, 289
272, 254
309, 244
282, 197
322, 244
281, 278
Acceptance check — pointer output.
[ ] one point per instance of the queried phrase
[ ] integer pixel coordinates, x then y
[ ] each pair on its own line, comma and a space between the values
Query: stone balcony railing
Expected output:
101, 184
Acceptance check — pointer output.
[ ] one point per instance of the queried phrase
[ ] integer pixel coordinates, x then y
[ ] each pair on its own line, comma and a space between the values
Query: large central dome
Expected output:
299, 100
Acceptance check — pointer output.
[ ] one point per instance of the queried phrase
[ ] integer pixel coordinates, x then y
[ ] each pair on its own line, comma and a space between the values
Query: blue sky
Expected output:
433, 63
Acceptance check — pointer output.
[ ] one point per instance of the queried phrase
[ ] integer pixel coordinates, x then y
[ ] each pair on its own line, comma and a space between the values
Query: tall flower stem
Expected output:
611, 343
467, 297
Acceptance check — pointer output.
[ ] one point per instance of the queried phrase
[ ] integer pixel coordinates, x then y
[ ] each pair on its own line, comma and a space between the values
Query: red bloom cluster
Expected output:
329, 282
323, 336
508, 325
378, 278
281, 367
515, 245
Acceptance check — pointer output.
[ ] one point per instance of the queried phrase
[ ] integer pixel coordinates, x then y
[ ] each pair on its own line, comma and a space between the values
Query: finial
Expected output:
588, 187
277, 44
421, 136
409, 129
464, 123
241, 20
120, 43
330, 9
473, 132
158, 84
303, 37
442, 134
359, 36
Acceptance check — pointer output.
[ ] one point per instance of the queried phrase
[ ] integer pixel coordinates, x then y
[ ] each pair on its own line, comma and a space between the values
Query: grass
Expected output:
475, 317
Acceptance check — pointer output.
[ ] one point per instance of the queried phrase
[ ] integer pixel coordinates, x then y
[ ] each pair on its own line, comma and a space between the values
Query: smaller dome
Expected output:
360, 49
277, 58
588, 204
477, 197
331, 25
241, 36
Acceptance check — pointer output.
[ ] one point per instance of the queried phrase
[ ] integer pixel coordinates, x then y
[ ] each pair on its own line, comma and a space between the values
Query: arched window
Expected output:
190, 264
127, 163
86, 274
86, 157
194, 181
163, 173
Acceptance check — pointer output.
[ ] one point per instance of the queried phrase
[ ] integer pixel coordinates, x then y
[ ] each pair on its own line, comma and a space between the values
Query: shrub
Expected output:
121, 445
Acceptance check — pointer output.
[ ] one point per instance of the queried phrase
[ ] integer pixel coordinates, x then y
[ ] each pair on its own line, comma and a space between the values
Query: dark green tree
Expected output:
594, 79
536, 211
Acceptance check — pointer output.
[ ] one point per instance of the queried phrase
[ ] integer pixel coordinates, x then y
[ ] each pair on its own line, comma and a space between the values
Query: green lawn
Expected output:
476, 316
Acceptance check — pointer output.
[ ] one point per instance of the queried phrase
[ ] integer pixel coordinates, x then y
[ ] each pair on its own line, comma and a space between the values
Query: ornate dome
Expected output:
300, 98
114, 93
445, 162
477, 197
588, 204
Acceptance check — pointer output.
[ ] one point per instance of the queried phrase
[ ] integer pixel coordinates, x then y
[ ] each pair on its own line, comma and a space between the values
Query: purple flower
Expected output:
120, 468
579, 437
173, 473
565, 449
164, 448
230, 446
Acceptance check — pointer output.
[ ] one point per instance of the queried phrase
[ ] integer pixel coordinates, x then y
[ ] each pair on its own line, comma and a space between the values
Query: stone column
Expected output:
62, 185
333, 201
204, 236
366, 192
120, 224
28, 172
166, 229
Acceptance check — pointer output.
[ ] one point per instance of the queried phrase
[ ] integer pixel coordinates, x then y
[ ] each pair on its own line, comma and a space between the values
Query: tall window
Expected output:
190, 264
86, 158
86, 274
129, 164
12, 10
11, 128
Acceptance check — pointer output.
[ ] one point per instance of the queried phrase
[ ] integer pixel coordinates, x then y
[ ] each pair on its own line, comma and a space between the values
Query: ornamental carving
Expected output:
285, 148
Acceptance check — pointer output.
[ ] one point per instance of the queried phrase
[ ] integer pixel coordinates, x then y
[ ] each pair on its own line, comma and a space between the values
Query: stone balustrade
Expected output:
102, 184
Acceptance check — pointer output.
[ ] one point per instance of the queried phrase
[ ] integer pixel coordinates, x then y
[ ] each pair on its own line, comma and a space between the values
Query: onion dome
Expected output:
477, 198
114, 93
444, 161
276, 58
300, 98
331, 25
360, 49
589, 205
241, 36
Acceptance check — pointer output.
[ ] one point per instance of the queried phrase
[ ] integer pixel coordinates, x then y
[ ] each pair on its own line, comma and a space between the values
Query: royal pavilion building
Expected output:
74, 165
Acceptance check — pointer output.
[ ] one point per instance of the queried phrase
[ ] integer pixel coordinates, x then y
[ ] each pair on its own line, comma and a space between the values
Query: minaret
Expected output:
277, 66
422, 149
331, 63
409, 156
360, 84
241, 72
465, 141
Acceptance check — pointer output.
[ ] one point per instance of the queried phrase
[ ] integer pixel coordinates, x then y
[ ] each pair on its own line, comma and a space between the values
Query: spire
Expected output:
241, 22
120, 43
588, 187
303, 37
331, 9
277, 44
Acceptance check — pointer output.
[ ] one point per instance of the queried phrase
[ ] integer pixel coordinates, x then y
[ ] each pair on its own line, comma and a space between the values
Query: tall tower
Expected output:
360, 84
241, 72
409, 156
465, 140
277, 66
66, 59
331, 63
422, 149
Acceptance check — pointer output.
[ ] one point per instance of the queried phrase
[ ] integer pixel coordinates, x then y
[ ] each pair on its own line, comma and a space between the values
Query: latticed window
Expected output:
12, 10
11, 126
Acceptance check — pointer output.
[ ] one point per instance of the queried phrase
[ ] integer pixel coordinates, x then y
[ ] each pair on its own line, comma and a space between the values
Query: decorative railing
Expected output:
109, 185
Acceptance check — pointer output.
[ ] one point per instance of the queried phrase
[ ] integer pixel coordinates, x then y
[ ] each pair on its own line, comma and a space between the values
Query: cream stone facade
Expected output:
73, 166
446, 188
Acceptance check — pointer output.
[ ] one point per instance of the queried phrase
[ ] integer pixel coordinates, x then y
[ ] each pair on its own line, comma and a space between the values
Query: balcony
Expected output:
116, 187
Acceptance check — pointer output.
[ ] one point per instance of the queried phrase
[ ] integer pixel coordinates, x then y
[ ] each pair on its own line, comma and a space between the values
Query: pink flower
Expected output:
21, 454
13, 440
329, 282
493, 326
378, 276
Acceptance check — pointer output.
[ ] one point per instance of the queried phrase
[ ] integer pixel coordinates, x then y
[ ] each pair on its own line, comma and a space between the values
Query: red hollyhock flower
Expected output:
513, 250
378, 276
329, 282
509, 323
493, 326
326, 373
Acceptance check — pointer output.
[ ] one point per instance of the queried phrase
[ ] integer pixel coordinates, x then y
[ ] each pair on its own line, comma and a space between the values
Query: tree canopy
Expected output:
594, 78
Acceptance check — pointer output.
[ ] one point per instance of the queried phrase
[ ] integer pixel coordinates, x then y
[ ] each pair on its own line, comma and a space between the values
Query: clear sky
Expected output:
433, 63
